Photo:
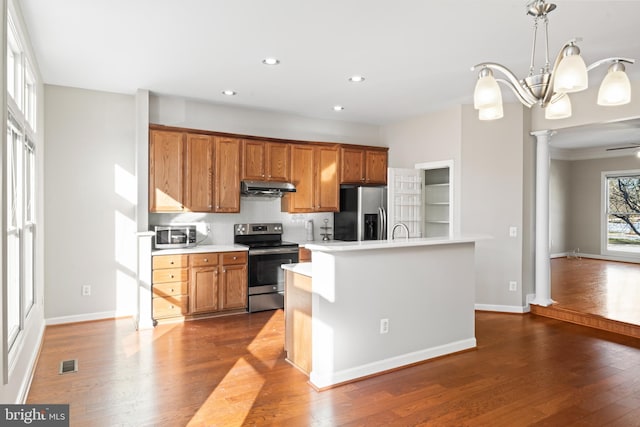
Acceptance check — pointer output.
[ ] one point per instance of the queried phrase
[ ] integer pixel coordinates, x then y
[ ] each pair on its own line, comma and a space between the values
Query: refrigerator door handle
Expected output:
382, 224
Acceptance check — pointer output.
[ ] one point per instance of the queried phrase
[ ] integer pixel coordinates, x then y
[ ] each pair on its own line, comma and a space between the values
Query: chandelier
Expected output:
549, 88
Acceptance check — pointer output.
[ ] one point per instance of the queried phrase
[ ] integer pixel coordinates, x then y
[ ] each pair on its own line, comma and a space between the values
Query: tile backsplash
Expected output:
217, 228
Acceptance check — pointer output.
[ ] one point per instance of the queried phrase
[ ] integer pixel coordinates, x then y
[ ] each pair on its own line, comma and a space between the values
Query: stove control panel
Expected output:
260, 228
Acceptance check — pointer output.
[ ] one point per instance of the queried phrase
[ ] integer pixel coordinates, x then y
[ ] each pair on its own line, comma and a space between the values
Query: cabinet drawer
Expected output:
204, 260
170, 306
234, 258
170, 275
169, 289
170, 261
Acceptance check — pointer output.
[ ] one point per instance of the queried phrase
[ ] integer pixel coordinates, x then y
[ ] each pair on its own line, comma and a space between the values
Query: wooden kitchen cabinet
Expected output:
227, 174
314, 172
218, 281
265, 161
169, 286
233, 291
166, 189
363, 165
198, 173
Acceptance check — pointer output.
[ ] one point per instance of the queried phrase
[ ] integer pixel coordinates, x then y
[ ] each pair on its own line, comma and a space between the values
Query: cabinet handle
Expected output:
171, 276
235, 257
172, 306
171, 290
206, 260
171, 262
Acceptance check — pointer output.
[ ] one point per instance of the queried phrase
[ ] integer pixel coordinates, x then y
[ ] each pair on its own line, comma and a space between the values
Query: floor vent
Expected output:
68, 366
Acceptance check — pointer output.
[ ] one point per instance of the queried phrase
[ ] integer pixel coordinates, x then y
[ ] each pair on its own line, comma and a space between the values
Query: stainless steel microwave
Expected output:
174, 236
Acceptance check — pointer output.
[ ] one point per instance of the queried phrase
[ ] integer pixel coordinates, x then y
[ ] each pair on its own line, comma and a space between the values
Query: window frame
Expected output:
604, 217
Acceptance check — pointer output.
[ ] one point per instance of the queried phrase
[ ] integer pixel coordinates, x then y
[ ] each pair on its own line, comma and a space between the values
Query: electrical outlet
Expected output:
513, 231
86, 290
384, 326
513, 285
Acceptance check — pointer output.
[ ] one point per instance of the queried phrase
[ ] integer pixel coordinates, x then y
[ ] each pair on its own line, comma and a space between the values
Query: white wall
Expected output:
492, 201
429, 138
181, 112
90, 204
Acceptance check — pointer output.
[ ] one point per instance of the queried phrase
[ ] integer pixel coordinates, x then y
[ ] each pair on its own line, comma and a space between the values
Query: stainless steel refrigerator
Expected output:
363, 214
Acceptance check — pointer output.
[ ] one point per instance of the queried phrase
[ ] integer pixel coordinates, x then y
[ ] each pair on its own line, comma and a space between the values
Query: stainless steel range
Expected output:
267, 252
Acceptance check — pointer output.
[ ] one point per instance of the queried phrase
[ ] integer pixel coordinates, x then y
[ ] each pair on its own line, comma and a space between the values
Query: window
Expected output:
622, 219
19, 156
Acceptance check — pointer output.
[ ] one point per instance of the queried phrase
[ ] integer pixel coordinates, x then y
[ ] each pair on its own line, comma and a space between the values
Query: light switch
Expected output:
513, 231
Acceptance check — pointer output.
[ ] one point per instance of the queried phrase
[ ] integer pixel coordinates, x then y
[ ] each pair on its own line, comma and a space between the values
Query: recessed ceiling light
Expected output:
229, 92
338, 108
270, 61
356, 79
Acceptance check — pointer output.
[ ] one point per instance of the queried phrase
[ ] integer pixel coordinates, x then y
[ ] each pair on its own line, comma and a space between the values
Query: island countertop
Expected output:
337, 246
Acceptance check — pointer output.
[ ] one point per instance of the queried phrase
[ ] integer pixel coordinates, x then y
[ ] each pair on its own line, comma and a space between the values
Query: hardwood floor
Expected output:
595, 293
230, 371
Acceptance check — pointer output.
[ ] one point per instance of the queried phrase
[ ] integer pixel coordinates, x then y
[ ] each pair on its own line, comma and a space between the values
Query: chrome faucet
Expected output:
400, 224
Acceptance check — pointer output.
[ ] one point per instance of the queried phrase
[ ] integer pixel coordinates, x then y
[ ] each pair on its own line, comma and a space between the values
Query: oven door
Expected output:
265, 274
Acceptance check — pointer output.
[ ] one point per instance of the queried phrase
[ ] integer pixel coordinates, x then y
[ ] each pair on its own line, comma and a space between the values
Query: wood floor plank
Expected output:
231, 371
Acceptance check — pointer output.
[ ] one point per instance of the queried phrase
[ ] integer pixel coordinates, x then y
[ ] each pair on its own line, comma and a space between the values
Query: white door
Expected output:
404, 195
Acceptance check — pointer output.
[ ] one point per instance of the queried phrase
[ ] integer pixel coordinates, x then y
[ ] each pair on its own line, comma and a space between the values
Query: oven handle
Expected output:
273, 251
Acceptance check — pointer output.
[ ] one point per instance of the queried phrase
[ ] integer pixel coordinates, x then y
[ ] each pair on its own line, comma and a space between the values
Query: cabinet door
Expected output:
199, 173
165, 171
204, 290
376, 167
302, 171
253, 160
234, 287
352, 166
227, 174
277, 161
327, 185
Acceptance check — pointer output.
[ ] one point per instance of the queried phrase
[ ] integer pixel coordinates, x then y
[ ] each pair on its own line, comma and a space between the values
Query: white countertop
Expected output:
303, 268
200, 249
334, 246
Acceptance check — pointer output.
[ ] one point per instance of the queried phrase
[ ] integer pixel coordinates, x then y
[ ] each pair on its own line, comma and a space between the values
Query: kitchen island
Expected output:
368, 307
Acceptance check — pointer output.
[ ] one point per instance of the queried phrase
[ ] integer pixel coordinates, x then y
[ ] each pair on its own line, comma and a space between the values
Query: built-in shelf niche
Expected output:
437, 202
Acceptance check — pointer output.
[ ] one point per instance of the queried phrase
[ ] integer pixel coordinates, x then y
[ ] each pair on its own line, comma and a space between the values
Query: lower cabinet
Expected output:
196, 284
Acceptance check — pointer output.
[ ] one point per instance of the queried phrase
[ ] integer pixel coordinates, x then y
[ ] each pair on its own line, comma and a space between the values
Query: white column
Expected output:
543, 250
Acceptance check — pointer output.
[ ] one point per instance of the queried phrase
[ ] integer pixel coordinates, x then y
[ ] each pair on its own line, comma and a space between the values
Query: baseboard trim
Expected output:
332, 379
634, 260
33, 362
502, 308
81, 318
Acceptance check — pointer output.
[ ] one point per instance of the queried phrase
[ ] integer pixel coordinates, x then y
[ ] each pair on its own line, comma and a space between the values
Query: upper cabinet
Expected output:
265, 161
198, 176
200, 171
363, 165
227, 174
166, 183
314, 172
191, 172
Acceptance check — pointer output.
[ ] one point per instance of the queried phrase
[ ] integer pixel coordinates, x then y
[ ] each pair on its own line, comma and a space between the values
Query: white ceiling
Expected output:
415, 54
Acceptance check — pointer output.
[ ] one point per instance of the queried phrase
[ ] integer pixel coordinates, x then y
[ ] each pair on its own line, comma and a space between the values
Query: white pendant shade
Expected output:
559, 108
615, 89
571, 75
487, 93
491, 113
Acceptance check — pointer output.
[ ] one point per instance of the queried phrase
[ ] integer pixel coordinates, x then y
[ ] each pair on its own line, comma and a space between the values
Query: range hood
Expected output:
266, 188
